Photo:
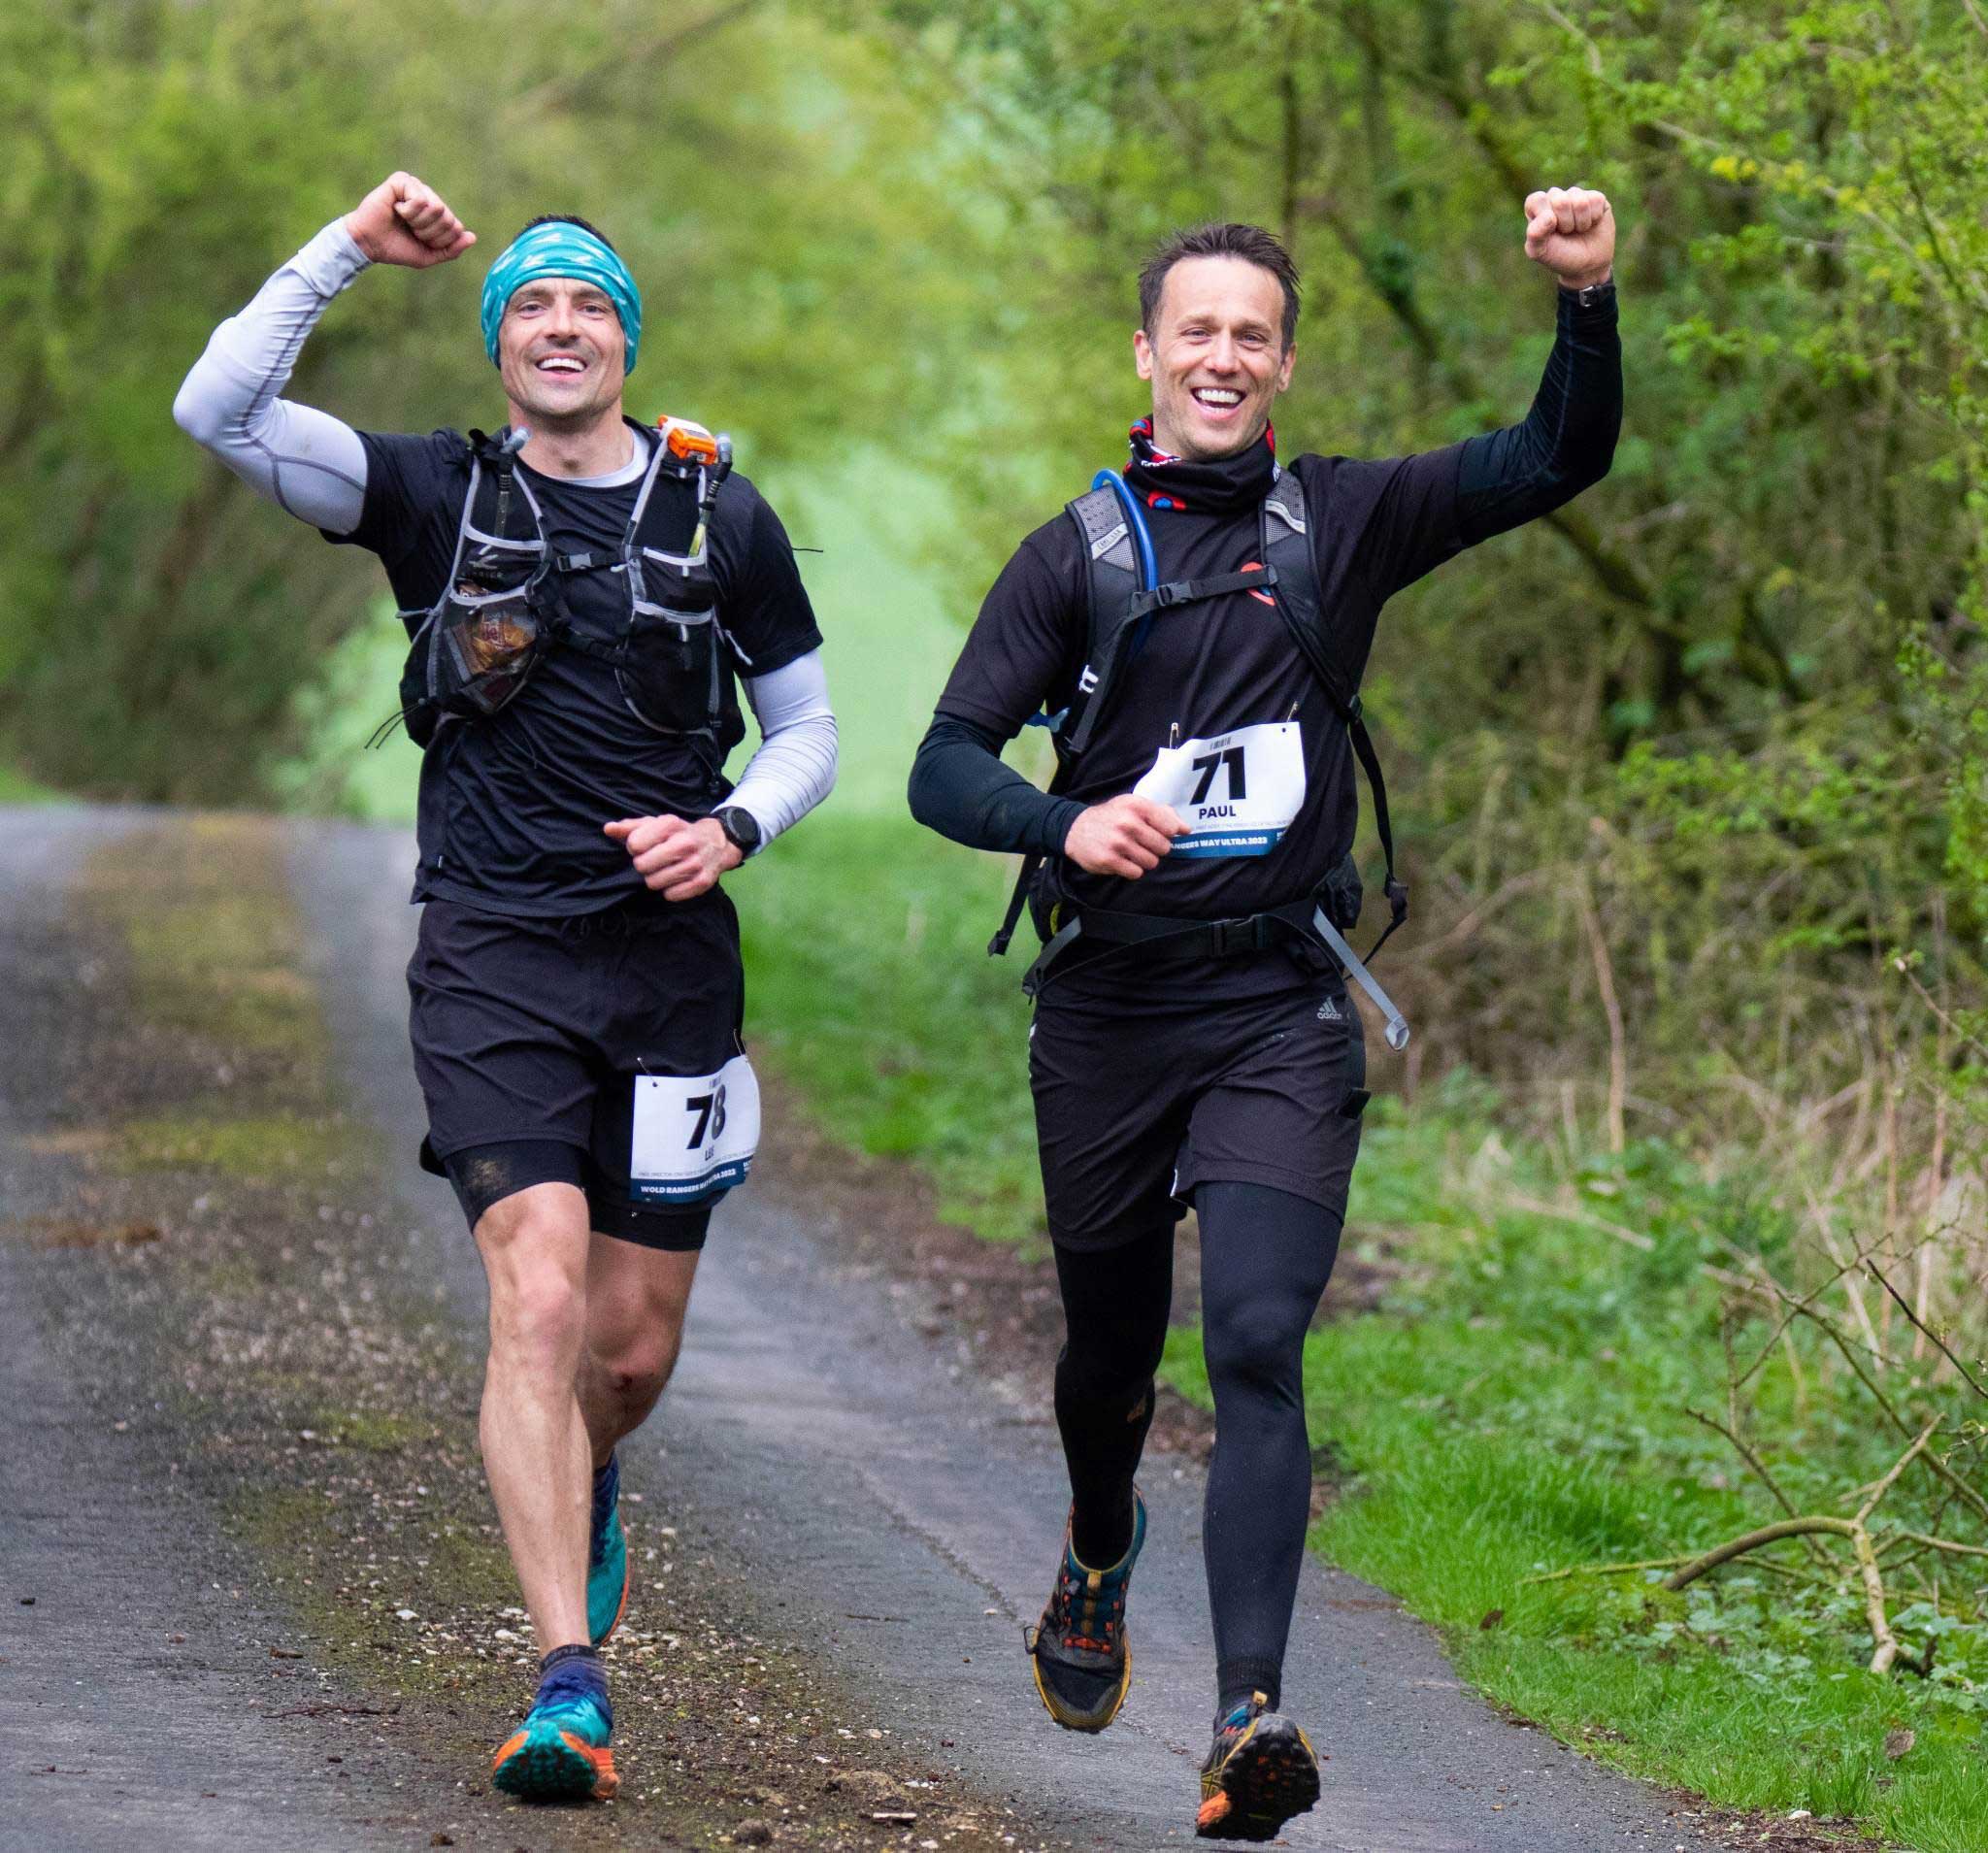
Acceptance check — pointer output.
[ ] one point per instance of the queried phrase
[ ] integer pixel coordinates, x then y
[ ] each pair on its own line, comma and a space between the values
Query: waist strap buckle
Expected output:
1227, 938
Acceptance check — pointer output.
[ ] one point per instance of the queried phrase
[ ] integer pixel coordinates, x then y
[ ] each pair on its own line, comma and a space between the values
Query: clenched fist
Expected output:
1124, 836
676, 857
405, 222
1571, 231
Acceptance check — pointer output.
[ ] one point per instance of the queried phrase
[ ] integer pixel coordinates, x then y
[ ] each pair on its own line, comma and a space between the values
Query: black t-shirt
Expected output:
1209, 669
512, 807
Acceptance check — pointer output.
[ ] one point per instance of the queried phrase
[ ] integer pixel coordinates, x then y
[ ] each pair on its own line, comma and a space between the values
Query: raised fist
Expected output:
1571, 231
405, 222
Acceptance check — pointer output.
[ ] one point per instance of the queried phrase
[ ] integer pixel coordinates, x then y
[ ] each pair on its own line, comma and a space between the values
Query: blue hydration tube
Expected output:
1135, 521
1148, 567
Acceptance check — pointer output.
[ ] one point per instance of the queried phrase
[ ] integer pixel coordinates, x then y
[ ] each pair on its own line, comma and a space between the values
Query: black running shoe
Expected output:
1260, 1771
1082, 1663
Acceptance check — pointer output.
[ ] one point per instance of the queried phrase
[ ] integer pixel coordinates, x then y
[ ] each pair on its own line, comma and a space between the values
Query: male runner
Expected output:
580, 589
1177, 1062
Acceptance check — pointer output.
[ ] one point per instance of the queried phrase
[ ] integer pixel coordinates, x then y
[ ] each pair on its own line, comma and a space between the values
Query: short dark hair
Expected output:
566, 218
1250, 243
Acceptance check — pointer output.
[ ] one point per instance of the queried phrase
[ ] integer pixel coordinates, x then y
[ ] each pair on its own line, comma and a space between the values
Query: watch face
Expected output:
741, 828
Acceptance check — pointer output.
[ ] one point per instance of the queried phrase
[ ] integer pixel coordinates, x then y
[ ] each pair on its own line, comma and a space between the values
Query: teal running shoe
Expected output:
1260, 1772
606, 1556
560, 1754
1078, 1652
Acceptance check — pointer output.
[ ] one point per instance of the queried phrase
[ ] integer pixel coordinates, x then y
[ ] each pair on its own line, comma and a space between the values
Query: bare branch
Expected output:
1612, 1006
1761, 1473
1885, 1648
1566, 25
1927, 998
1884, 1644
1877, 1274
1580, 1219
1952, 1546
580, 89
1898, 1467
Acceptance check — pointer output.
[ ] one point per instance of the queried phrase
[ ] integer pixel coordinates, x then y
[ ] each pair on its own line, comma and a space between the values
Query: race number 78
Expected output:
709, 1110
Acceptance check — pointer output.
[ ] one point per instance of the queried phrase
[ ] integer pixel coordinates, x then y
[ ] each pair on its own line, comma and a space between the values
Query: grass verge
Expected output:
17, 789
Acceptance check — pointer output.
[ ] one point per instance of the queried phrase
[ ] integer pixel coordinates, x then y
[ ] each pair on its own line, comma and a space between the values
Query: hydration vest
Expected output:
503, 607
1111, 528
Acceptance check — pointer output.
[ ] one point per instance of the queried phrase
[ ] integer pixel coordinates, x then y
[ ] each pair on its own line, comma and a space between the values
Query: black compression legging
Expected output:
1266, 1257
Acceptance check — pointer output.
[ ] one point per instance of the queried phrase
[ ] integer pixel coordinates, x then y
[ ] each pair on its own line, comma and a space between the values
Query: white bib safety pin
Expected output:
1397, 1025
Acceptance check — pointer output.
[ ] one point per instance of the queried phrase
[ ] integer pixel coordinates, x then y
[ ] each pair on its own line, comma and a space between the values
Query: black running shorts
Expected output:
528, 1037
1142, 1096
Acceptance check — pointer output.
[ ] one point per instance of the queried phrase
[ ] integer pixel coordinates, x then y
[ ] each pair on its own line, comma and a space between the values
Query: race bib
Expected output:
1237, 793
694, 1135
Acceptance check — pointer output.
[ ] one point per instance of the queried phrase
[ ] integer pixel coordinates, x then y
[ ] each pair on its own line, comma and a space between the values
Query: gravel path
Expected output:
134, 1662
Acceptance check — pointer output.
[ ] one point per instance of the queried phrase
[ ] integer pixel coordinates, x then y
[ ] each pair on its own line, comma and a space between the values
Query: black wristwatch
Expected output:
741, 828
1591, 296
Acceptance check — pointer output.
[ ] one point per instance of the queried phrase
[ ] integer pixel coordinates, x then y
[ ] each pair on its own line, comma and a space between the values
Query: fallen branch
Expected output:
1761, 1473
1950, 1545
1603, 1569
1886, 1649
1710, 1560
1898, 1467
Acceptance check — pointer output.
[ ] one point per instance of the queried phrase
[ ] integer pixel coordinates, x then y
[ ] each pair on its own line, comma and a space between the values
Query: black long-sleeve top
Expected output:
1377, 526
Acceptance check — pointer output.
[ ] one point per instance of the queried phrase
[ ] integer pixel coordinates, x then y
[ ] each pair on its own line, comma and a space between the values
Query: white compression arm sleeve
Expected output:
794, 768
303, 460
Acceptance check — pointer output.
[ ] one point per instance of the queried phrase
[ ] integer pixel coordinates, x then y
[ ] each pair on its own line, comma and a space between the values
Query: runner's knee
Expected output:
538, 1317
1255, 1345
1115, 1305
638, 1370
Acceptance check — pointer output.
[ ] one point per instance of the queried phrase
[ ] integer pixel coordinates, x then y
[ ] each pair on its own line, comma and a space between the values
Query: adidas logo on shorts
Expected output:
1328, 1011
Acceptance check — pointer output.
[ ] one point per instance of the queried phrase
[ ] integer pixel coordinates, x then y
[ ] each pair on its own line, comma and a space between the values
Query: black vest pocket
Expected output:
488, 633
669, 668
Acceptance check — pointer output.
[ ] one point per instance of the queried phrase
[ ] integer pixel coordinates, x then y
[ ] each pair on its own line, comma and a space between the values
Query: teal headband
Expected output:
559, 250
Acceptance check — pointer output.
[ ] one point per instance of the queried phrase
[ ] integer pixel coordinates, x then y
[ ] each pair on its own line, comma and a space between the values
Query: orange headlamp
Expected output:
689, 443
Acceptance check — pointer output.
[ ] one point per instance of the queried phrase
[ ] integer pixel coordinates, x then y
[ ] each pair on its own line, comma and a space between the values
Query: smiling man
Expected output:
580, 592
1194, 1044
